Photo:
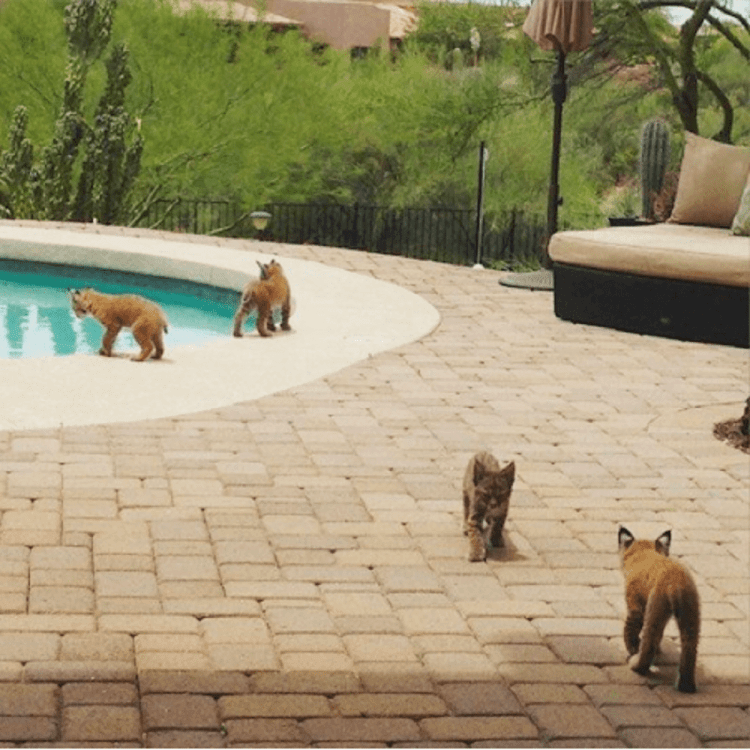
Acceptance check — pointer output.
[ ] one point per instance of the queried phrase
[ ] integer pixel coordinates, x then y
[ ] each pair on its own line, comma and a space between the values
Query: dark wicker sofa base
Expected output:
686, 310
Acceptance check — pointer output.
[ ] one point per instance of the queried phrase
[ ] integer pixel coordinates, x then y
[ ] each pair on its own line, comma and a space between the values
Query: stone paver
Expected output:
291, 571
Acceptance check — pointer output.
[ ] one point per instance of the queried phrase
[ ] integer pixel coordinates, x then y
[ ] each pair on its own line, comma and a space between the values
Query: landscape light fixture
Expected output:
260, 219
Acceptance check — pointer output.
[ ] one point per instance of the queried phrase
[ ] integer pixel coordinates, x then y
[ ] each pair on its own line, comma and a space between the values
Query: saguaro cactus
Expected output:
16, 169
110, 165
653, 161
103, 155
88, 24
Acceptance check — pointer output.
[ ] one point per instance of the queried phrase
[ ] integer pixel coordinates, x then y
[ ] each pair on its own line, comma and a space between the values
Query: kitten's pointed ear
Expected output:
509, 471
624, 538
478, 470
663, 543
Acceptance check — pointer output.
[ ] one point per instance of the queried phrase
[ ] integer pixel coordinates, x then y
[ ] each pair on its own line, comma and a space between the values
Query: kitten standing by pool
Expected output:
270, 291
146, 319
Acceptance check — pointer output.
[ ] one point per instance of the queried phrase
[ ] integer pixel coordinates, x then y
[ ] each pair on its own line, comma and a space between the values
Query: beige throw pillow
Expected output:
741, 223
712, 178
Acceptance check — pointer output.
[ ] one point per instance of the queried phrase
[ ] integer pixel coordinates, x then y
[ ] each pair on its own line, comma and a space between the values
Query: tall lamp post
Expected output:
563, 26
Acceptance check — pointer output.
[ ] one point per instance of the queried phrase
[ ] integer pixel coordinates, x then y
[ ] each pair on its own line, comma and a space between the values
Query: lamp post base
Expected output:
539, 281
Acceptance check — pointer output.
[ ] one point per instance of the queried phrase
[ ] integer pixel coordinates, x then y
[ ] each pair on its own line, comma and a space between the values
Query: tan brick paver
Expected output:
101, 724
167, 711
292, 570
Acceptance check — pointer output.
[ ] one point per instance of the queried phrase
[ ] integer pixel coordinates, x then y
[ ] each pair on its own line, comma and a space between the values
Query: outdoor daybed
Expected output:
688, 278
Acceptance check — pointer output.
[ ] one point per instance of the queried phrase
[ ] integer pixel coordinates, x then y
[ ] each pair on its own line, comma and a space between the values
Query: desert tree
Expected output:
639, 31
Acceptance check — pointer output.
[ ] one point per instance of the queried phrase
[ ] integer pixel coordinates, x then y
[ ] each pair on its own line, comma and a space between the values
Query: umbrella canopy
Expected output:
567, 22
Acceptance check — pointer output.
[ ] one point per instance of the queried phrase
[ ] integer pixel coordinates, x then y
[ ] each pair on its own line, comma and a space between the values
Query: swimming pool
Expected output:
341, 318
36, 319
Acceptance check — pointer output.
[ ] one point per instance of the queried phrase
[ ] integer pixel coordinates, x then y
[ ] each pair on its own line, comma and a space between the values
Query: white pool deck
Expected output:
340, 318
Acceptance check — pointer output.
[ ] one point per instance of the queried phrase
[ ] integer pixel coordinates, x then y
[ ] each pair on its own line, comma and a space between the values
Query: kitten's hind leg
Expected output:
632, 634
688, 655
653, 628
158, 341
239, 318
264, 313
143, 337
286, 311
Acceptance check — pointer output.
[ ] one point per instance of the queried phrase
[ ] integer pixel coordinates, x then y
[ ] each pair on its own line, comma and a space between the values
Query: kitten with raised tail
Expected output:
656, 589
263, 295
486, 493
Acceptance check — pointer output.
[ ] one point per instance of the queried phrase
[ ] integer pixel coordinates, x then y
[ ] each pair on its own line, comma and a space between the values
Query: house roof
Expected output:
227, 10
340, 23
403, 20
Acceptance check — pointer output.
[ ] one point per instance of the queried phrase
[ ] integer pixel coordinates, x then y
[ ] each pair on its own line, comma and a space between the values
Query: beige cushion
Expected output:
741, 223
670, 251
712, 178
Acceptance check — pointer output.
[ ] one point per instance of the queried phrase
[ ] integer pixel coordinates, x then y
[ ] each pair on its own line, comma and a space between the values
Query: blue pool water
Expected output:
36, 319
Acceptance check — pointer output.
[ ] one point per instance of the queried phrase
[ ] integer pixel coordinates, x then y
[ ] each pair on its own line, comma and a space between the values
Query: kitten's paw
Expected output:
634, 662
477, 554
685, 684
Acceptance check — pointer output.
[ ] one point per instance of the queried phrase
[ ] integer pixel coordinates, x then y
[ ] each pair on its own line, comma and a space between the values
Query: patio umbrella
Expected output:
564, 26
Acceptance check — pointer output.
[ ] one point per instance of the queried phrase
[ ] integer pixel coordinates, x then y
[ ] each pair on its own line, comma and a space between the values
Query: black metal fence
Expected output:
442, 234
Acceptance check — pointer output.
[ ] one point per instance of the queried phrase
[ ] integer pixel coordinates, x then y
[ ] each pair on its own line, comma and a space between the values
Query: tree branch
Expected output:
660, 51
690, 5
725, 134
730, 37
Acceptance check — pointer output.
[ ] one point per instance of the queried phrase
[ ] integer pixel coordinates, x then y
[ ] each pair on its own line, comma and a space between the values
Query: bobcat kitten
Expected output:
486, 492
264, 294
657, 588
146, 319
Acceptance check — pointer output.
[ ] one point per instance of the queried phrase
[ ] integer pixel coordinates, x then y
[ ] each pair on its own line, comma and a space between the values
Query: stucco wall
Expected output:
342, 25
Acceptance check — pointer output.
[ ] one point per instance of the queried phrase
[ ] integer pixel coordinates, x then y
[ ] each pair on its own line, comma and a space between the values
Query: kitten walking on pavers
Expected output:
657, 588
486, 493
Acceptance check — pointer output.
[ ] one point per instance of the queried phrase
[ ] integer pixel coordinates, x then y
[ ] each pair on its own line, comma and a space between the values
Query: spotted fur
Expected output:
486, 494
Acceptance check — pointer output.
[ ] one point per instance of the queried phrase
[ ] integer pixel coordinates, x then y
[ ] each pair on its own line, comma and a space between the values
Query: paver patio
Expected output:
291, 571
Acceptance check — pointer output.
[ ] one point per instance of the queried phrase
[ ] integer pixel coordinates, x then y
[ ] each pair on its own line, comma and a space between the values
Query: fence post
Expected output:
483, 154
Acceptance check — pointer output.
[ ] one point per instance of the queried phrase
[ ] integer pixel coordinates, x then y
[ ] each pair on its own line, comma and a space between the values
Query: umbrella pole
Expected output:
559, 93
